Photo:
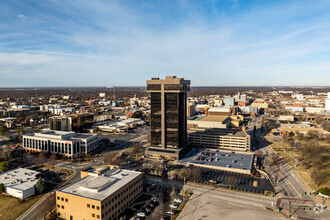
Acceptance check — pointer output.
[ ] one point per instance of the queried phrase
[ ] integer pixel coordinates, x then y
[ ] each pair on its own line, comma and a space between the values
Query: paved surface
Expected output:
288, 186
243, 182
207, 203
3, 141
219, 158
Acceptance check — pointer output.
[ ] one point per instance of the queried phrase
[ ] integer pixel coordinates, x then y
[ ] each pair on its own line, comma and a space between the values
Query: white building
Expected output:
20, 182
327, 103
68, 144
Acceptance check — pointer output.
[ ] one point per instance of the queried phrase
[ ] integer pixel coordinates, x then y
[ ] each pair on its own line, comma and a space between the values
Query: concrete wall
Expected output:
19, 193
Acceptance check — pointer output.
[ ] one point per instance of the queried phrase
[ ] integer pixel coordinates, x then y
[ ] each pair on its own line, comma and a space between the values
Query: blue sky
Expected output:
212, 43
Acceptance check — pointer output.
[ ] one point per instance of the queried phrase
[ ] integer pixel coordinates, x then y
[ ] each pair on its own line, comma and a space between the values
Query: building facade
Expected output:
76, 123
67, 144
99, 194
220, 138
168, 116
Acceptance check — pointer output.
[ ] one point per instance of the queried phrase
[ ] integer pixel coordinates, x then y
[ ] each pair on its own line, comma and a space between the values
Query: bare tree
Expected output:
318, 178
41, 158
231, 180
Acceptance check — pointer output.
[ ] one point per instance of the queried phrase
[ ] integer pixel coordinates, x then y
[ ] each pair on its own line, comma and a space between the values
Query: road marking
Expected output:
294, 188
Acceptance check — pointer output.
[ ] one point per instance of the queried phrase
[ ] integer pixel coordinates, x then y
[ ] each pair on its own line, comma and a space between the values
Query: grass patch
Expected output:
269, 209
64, 170
10, 208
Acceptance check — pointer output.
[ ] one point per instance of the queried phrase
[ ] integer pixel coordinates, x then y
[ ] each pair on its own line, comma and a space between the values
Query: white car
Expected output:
173, 206
170, 212
178, 200
141, 214
154, 199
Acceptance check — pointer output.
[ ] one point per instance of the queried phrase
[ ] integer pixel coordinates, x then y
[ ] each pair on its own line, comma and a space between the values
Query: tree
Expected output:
2, 188
196, 174
136, 148
52, 159
41, 157
41, 186
97, 129
4, 166
318, 178
291, 134
231, 180
113, 117
3, 129
275, 160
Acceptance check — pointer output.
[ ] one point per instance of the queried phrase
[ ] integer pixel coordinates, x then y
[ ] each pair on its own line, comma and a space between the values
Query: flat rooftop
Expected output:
214, 118
20, 178
217, 132
220, 158
64, 135
102, 185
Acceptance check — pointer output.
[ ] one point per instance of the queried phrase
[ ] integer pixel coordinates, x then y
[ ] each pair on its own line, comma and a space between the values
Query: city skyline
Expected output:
216, 43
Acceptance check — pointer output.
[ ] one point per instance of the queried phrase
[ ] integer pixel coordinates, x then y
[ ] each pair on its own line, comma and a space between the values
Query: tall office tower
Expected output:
168, 116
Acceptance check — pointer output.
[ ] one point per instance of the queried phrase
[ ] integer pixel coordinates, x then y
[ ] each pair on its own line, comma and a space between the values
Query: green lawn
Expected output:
10, 208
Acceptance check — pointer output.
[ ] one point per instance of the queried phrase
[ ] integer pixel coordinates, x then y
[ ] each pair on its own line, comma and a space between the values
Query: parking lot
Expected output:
155, 203
220, 159
239, 181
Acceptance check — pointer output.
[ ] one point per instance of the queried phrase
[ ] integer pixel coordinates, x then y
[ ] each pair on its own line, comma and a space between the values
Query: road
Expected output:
3, 141
288, 185
37, 212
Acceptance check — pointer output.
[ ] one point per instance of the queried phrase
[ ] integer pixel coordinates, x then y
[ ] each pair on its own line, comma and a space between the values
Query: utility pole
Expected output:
290, 210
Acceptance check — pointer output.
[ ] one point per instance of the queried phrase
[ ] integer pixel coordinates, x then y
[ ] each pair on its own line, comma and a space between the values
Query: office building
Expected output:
229, 139
229, 101
20, 182
168, 116
76, 123
69, 144
99, 194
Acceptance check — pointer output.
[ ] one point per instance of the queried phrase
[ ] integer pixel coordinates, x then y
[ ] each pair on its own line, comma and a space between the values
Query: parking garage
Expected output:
220, 159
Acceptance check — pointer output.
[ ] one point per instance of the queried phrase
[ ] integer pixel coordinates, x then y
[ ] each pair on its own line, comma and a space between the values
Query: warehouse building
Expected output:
100, 194
229, 139
68, 144
20, 182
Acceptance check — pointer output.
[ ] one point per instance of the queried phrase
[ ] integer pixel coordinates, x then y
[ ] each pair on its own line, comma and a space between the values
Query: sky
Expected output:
125, 42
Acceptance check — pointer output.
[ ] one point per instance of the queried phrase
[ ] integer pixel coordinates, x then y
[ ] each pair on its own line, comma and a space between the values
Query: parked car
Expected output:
178, 200
141, 214
174, 206
154, 199
170, 212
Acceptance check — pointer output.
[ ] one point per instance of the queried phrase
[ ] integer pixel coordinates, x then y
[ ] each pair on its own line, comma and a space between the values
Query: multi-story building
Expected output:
75, 123
229, 101
68, 144
229, 139
168, 116
99, 194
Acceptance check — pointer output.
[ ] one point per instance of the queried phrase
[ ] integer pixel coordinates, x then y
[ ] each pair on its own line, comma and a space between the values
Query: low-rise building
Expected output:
100, 194
209, 121
20, 182
68, 144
